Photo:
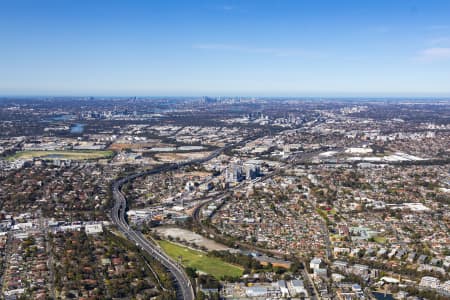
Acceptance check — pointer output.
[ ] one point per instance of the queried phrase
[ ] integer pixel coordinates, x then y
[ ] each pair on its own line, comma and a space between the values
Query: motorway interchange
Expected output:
184, 287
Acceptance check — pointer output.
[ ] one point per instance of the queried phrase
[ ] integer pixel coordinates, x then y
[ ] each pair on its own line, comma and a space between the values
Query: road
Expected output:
206, 201
313, 293
185, 290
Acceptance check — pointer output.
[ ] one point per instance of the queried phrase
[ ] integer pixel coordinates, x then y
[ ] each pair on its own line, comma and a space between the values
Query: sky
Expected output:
245, 48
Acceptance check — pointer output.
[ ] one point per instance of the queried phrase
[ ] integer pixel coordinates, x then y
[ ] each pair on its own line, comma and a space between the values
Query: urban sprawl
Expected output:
224, 198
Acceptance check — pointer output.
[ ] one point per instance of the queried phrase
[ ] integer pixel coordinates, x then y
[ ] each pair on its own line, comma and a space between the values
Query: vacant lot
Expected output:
189, 236
172, 157
63, 154
200, 261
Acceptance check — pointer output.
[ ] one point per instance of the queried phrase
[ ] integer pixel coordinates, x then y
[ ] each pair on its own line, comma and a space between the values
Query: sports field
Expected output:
63, 154
380, 239
200, 261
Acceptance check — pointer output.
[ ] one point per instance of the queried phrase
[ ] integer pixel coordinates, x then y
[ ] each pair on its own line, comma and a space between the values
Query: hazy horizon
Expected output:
261, 48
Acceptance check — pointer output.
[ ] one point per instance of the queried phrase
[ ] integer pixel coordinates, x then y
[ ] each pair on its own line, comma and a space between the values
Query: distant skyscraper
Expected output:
233, 174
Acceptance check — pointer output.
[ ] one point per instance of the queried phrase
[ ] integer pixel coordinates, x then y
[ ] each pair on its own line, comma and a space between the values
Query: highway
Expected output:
185, 290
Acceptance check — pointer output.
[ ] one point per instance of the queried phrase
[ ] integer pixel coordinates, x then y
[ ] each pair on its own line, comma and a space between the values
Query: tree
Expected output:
191, 272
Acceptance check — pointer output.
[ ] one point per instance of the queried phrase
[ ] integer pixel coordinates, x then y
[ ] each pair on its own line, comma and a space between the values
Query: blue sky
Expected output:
248, 47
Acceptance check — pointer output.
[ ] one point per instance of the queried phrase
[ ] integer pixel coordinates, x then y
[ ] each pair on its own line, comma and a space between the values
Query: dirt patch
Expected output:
190, 237
192, 174
172, 157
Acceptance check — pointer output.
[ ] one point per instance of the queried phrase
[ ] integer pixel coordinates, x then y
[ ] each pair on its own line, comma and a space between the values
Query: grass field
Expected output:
327, 212
63, 154
336, 237
380, 239
200, 261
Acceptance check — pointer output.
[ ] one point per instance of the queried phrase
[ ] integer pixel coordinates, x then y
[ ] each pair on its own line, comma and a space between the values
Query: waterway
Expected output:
77, 128
63, 118
381, 296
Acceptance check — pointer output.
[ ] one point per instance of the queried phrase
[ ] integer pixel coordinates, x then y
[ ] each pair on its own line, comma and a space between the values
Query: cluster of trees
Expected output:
425, 293
250, 264
164, 279
402, 270
238, 259
74, 261
206, 282
80, 268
